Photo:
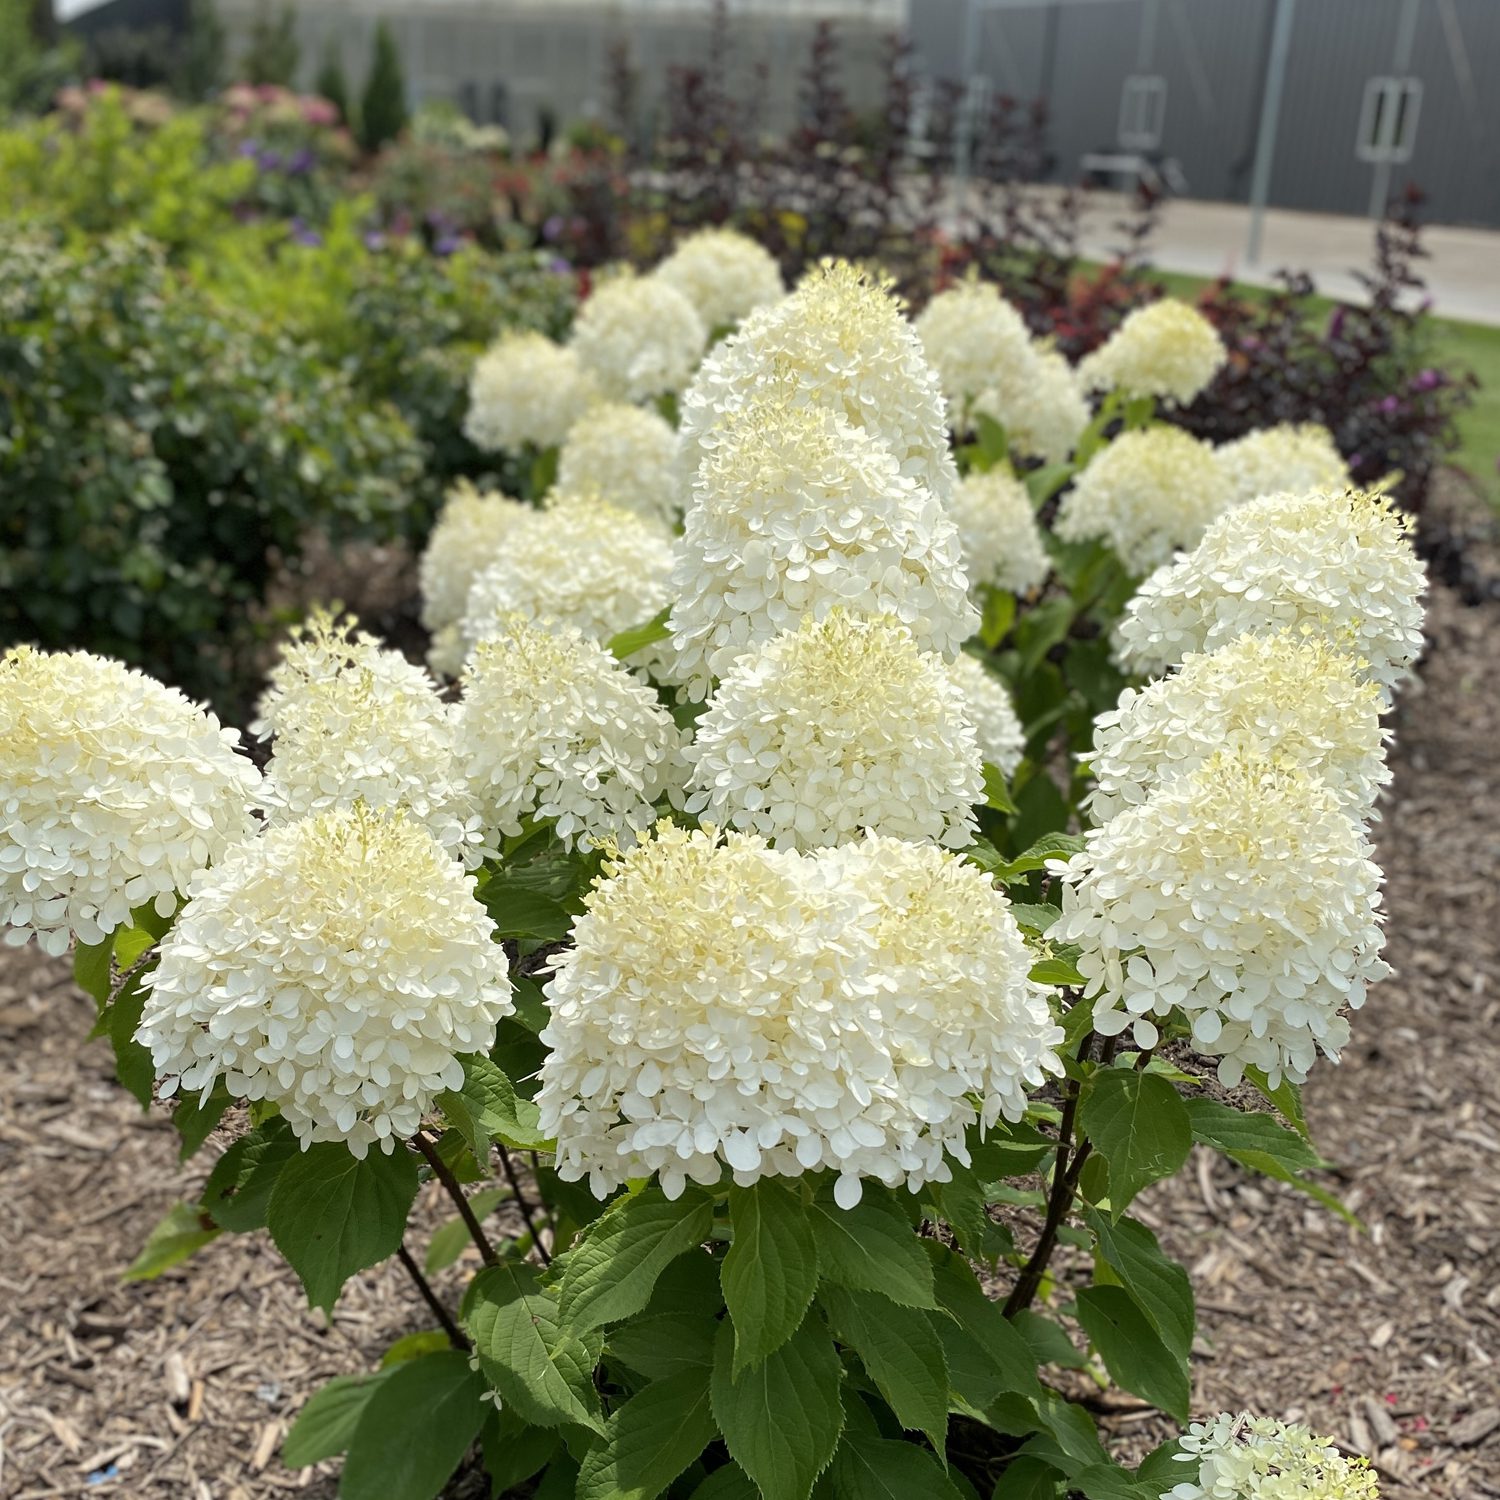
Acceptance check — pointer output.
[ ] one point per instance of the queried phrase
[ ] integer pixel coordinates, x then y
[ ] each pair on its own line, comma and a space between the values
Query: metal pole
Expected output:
963, 146
1270, 116
1406, 35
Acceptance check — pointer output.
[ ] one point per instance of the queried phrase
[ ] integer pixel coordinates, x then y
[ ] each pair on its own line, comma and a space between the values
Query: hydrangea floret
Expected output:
1045, 415
1289, 458
977, 342
998, 532
1166, 349
724, 274
638, 337
987, 702
1242, 1457
525, 391
627, 455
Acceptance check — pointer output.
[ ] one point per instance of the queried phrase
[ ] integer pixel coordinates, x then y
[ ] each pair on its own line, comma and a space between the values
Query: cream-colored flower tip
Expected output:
836, 727
724, 274
1149, 494
638, 337
336, 967
114, 790
1044, 416
1001, 737
469, 534
1337, 564
977, 342
627, 455
997, 529
857, 1011
355, 722
1241, 894
1165, 349
551, 726
526, 389
1290, 458
794, 513
579, 561
840, 342
1258, 1458
1284, 696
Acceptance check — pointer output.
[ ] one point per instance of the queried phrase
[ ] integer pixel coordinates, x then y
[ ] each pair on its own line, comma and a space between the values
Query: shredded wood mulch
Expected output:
1387, 1336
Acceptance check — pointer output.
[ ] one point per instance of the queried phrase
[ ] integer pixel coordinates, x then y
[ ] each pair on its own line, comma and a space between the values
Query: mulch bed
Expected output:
1387, 1336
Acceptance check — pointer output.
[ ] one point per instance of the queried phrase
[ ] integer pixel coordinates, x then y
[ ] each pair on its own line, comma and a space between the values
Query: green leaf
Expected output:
133, 1065
1158, 1284
1045, 482
1048, 1343
986, 1356
1132, 1350
1049, 847
1286, 1096
866, 1468
638, 637
414, 1430
415, 1346
1056, 971
771, 1271
996, 792
1035, 919
195, 1118
184, 1230
238, 1190
332, 1214
513, 1449
729, 1483
900, 1349
531, 1006
519, 912
488, 1107
543, 1369
1107, 1482
91, 969
326, 1422
998, 616
650, 1440
451, 1239
612, 1269
1139, 1124
1039, 630
871, 1247
667, 1344
1027, 1478
781, 1420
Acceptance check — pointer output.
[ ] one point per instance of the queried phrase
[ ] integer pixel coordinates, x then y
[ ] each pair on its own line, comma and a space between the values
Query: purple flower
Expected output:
300, 163
1388, 405
249, 148
374, 240
1427, 380
446, 244
303, 235
553, 227
560, 267
1336, 323
269, 161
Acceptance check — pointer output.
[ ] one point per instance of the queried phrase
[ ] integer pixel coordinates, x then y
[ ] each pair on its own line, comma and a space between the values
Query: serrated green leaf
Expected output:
998, 615
649, 1440
871, 1247
1132, 1350
782, 1418
665, 1345
1107, 1482
986, 1356
414, 1430
544, 1370
531, 1005
866, 1468
133, 1065
332, 1214
612, 1269
1286, 1096
1049, 846
450, 1240
638, 637
519, 912
326, 1422
238, 1190
771, 1271
1160, 1466
1158, 1284
91, 970
1034, 918
1048, 1343
996, 792
729, 1483
415, 1346
132, 943
902, 1353
1139, 1125
195, 1118
1057, 971
181, 1232
1027, 1478
488, 1108
513, 1449
1045, 482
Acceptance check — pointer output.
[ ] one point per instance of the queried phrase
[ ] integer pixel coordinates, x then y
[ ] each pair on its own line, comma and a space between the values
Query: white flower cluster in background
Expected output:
526, 389
355, 722
628, 456
114, 791
552, 726
1165, 349
976, 341
988, 706
724, 274
1044, 415
1149, 494
998, 532
1291, 457
1258, 1458
1335, 563
727, 1004
839, 342
336, 967
837, 727
1291, 697
638, 337
794, 513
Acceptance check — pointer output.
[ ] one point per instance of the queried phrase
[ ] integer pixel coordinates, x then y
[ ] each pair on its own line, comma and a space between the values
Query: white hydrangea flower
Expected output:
787, 1013
1258, 1458
1149, 494
355, 722
552, 726
639, 337
1285, 696
724, 274
997, 529
114, 790
1340, 564
335, 966
580, 561
526, 389
1290, 458
1045, 415
628, 455
794, 513
469, 534
977, 342
838, 726
1165, 349
1001, 737
840, 342
1241, 893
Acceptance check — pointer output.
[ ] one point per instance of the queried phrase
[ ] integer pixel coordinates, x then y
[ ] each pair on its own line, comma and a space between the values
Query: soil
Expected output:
1387, 1336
